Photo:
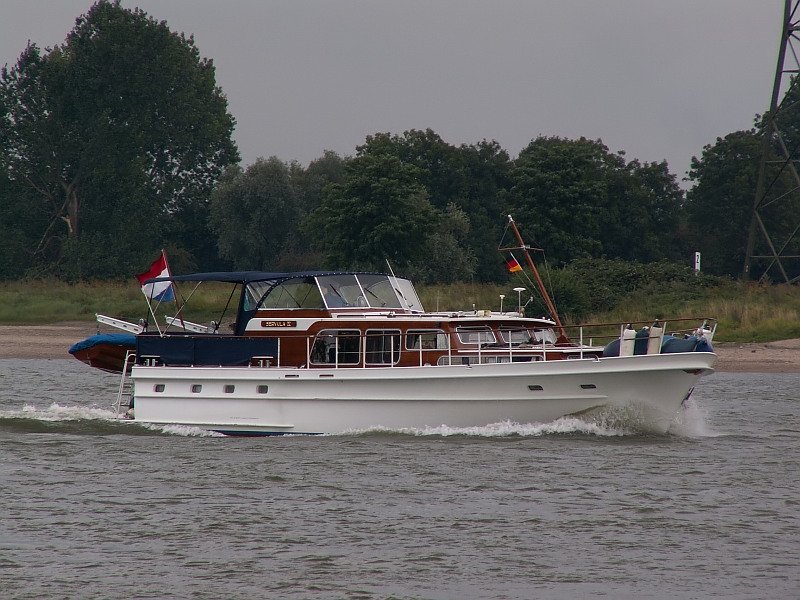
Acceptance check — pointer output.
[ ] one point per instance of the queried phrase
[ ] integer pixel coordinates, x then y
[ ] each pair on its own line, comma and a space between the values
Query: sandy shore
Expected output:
52, 341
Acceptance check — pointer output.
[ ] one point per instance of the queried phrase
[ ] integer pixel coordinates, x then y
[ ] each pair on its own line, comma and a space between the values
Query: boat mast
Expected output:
542, 289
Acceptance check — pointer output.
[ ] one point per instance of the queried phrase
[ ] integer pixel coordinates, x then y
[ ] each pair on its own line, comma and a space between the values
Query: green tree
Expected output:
719, 205
439, 164
445, 256
643, 220
19, 228
122, 133
302, 250
471, 178
380, 211
488, 168
578, 200
254, 214
312, 181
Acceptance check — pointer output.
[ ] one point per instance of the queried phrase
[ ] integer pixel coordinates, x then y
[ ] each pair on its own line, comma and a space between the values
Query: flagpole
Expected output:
542, 289
174, 290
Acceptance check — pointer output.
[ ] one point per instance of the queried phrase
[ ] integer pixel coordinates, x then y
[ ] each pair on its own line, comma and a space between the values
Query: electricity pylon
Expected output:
778, 162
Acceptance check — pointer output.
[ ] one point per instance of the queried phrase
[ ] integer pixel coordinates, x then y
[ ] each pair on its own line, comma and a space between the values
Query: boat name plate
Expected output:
278, 323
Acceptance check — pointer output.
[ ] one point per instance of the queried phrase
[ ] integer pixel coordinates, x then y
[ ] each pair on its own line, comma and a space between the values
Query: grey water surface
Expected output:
93, 507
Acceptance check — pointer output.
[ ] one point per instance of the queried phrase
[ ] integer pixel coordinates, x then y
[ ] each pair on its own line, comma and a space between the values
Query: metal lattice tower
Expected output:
778, 162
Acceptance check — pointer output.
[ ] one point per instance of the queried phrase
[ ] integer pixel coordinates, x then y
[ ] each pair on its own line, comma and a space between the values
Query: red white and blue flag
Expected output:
161, 290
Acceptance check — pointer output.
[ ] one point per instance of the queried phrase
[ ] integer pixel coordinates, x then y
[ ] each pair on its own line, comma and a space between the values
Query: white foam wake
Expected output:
57, 412
180, 430
565, 425
692, 422
60, 413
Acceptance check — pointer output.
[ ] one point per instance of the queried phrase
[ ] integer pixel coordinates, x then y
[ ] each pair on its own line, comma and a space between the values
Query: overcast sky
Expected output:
657, 79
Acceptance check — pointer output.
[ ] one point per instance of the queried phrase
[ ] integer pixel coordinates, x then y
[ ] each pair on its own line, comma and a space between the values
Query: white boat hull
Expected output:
307, 401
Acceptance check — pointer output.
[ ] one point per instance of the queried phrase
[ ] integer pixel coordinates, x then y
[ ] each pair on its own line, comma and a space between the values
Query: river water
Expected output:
92, 507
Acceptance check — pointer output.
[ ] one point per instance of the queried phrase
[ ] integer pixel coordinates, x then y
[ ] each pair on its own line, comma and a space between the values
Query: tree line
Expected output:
118, 143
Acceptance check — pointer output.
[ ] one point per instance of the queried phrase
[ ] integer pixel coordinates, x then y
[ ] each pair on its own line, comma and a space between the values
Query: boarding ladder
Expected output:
125, 382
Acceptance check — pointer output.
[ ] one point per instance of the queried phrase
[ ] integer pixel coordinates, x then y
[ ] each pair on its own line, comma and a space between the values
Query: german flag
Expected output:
512, 265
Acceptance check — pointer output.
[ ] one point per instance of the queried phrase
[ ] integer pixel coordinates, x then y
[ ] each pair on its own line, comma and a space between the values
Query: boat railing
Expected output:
348, 349
353, 348
650, 333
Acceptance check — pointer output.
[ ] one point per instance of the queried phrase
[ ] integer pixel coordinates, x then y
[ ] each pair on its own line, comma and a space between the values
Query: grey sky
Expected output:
656, 79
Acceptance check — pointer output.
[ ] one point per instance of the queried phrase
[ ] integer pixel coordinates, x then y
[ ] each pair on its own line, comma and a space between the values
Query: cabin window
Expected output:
229, 388
336, 346
427, 339
159, 387
262, 389
197, 388
547, 336
515, 337
383, 347
476, 335
472, 360
486, 360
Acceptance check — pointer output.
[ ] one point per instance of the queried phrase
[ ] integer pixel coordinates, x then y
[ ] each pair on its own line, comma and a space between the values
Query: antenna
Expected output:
519, 291
777, 163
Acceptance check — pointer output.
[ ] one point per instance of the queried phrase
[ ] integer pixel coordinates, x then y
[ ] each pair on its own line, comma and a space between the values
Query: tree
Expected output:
122, 133
19, 227
719, 206
439, 164
302, 250
312, 181
643, 221
578, 200
487, 168
380, 211
469, 178
254, 214
445, 256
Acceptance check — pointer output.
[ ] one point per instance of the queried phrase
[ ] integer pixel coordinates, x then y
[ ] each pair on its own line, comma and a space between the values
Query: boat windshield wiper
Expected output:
374, 295
335, 291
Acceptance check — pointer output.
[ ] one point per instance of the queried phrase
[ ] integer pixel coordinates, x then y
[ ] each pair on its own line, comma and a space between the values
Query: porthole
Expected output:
197, 388
229, 388
588, 386
159, 387
535, 388
262, 389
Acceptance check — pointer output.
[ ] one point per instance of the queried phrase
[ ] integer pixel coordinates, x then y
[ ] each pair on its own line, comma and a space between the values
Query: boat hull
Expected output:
107, 352
273, 400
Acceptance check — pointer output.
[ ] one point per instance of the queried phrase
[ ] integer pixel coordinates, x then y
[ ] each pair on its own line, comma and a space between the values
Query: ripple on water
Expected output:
98, 507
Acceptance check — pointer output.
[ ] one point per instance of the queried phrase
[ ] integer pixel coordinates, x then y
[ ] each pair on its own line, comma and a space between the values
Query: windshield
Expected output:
368, 291
294, 293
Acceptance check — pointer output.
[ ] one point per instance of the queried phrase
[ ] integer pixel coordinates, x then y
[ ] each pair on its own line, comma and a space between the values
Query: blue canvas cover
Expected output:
116, 339
207, 350
669, 345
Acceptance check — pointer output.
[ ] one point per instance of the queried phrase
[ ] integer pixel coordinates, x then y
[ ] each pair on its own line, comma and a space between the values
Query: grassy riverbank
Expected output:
747, 313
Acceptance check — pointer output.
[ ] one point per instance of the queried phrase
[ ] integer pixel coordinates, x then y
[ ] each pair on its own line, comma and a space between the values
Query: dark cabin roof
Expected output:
249, 276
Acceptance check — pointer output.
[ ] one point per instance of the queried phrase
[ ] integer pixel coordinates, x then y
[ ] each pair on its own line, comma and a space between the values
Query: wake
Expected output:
92, 420
563, 426
604, 423
86, 420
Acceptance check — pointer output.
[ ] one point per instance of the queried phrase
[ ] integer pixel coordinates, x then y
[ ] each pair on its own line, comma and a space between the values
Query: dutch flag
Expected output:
161, 291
